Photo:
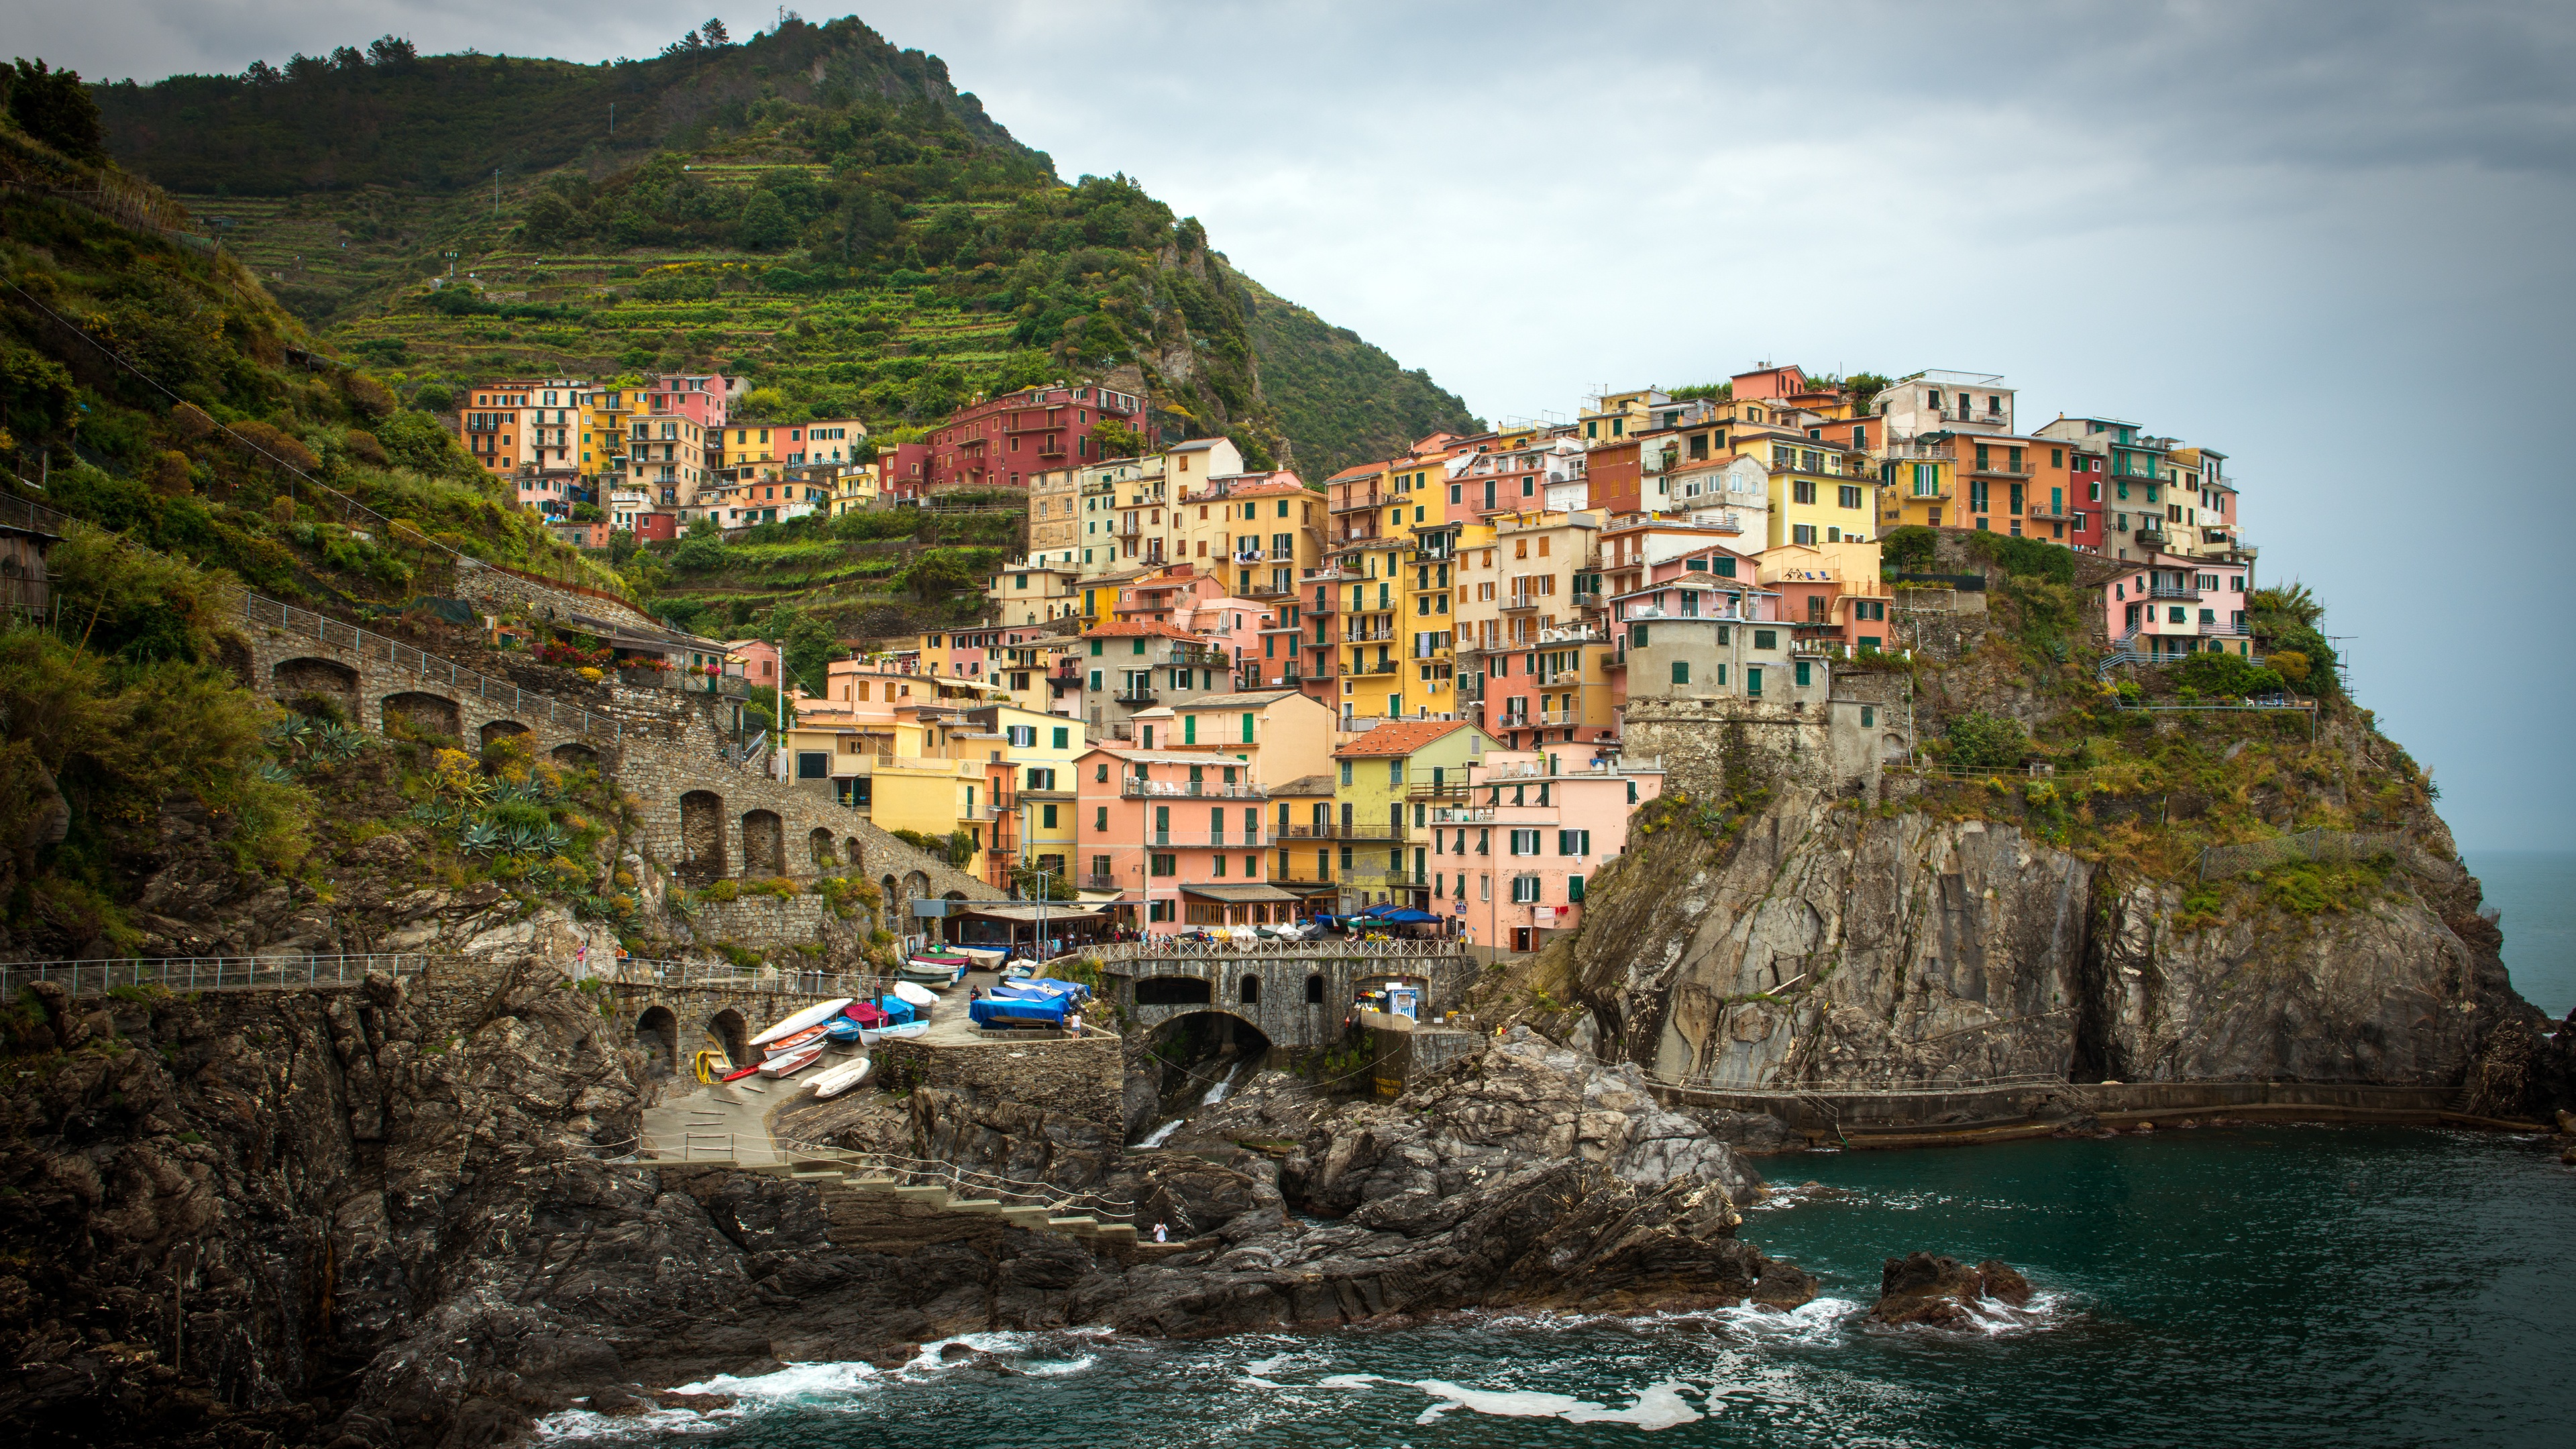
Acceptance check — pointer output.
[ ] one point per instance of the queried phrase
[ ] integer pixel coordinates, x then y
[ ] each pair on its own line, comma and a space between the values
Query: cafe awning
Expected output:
1239, 894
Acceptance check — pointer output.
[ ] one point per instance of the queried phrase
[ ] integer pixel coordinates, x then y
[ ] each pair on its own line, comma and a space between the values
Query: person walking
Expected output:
1160, 1235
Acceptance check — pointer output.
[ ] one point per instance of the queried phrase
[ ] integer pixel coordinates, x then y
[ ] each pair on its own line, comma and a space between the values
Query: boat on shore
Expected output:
833, 1080
795, 1022
790, 1063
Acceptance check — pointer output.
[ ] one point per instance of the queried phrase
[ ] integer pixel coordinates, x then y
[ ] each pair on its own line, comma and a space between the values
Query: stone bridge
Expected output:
704, 816
674, 1022
1296, 994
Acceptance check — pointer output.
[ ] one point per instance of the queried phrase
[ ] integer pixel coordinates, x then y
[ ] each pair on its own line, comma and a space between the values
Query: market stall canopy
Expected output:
1029, 913
1407, 916
1239, 894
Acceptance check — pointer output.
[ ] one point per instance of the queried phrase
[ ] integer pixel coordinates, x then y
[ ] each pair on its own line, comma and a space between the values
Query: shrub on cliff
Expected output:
1985, 741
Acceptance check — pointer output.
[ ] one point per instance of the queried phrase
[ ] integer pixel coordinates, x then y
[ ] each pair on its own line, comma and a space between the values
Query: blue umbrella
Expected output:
1407, 916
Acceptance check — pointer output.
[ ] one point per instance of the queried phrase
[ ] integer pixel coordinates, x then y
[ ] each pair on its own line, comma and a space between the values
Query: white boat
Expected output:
915, 995
986, 959
871, 1035
792, 1063
832, 1081
810, 1016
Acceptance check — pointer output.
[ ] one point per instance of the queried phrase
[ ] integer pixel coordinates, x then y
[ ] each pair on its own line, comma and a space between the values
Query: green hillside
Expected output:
815, 207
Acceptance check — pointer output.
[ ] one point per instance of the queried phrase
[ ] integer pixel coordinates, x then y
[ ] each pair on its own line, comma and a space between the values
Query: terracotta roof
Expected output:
1128, 629
1399, 737
1362, 471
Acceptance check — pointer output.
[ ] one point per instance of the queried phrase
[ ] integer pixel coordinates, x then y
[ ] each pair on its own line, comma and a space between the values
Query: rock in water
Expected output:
1942, 1292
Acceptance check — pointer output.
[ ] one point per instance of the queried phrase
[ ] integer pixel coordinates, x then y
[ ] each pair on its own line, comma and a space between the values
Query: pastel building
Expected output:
1386, 781
2169, 606
1512, 849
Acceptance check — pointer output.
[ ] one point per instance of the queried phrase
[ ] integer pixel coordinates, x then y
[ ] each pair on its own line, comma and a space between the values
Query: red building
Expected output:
997, 444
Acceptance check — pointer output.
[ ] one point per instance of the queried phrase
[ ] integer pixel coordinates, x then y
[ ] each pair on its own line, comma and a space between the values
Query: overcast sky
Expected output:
2327, 239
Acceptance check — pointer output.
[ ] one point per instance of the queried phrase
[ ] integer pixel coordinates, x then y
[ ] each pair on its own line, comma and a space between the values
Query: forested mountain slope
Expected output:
815, 207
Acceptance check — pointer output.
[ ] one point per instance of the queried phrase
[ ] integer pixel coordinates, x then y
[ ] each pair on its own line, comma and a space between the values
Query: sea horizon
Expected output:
2536, 892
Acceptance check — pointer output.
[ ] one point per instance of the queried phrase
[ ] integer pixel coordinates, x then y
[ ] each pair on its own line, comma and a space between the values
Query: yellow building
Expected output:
1919, 485
1821, 492
854, 485
604, 415
1388, 782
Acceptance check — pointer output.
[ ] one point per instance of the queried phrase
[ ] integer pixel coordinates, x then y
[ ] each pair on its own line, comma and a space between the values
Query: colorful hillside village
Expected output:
1218, 697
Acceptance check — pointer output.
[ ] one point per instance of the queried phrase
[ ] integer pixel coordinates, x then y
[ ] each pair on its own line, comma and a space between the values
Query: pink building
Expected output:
701, 398
1232, 625
2165, 607
754, 661
1533, 827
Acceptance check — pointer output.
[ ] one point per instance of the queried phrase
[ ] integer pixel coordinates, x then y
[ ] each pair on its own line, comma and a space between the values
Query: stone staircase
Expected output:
838, 1186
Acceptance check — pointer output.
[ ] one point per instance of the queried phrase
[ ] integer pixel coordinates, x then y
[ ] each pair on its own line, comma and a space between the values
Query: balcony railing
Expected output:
2171, 591
1334, 832
1369, 635
1572, 634
2002, 468
1133, 788
1206, 840
1383, 666
1127, 695
1463, 815
1100, 883
1519, 600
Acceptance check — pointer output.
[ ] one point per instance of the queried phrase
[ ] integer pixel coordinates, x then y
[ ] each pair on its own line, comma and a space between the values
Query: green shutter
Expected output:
1189, 729
1803, 675
1247, 729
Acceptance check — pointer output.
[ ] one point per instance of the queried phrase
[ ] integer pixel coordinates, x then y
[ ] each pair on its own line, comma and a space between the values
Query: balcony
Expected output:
1560, 716
1132, 788
1329, 831
2152, 535
1297, 872
1366, 635
1100, 883
1572, 634
1353, 505
1519, 600
1205, 840
1439, 790
1463, 815
1137, 698
1383, 666
2172, 591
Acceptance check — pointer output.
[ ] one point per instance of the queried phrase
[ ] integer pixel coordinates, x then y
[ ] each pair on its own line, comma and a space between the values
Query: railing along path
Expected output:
428, 667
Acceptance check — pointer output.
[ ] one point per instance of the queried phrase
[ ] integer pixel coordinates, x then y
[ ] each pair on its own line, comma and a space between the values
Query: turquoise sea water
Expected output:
2537, 891
2259, 1287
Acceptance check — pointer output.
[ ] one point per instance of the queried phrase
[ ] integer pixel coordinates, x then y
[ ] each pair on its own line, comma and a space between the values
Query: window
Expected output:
1802, 533
1766, 638
1803, 667
1346, 772
1802, 490
1524, 890
1046, 816
1062, 734
1850, 495
1524, 842
1021, 736
1681, 671
1637, 636
1574, 842
1395, 772
1100, 821
1753, 680
1165, 865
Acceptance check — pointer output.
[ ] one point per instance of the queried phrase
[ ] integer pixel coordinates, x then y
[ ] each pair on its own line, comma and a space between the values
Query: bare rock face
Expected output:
1826, 945
1943, 1292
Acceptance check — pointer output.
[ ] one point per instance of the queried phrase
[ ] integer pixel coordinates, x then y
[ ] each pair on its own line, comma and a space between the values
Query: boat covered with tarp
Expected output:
1010, 1011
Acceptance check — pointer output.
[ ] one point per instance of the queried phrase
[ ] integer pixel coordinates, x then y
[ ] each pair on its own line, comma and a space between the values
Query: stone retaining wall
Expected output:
1084, 1076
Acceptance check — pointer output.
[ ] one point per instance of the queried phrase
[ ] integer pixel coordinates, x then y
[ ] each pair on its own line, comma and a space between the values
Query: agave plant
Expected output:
554, 841
289, 732
520, 839
434, 813
275, 773
478, 838
337, 741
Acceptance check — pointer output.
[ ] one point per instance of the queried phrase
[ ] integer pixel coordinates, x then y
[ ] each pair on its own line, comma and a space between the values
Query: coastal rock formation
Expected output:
296, 1217
1823, 943
1945, 1293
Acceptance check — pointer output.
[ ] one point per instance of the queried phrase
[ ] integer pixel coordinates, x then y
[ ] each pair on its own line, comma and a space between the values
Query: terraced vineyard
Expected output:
815, 209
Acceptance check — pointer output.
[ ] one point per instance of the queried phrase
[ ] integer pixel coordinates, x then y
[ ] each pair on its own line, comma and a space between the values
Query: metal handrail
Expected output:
1172, 948
923, 1172
329, 631
212, 973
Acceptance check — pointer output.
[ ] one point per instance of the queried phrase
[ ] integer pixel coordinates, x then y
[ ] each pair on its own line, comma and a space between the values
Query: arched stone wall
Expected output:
702, 835
764, 843
1174, 991
820, 848
328, 678
575, 757
657, 1031
427, 713
727, 1029
501, 729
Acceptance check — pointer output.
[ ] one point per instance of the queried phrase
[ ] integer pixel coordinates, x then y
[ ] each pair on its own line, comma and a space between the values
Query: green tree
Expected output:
810, 647
765, 224
55, 108
937, 574
1979, 740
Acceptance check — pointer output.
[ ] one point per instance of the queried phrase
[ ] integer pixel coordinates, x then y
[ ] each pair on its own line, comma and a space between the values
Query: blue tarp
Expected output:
898, 1011
1043, 989
1007, 1009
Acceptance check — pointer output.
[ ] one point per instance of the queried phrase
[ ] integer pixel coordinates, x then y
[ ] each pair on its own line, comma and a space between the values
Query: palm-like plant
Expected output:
555, 841
520, 839
2294, 600
478, 838
336, 741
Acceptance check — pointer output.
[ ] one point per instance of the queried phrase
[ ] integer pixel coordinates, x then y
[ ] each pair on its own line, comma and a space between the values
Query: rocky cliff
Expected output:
1822, 941
362, 1219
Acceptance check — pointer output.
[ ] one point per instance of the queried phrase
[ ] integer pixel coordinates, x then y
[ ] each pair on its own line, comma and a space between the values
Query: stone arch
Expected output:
702, 835
764, 843
916, 887
1248, 991
575, 757
1174, 991
855, 856
819, 845
727, 1029
501, 729
1315, 990
657, 1031
433, 714
327, 679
